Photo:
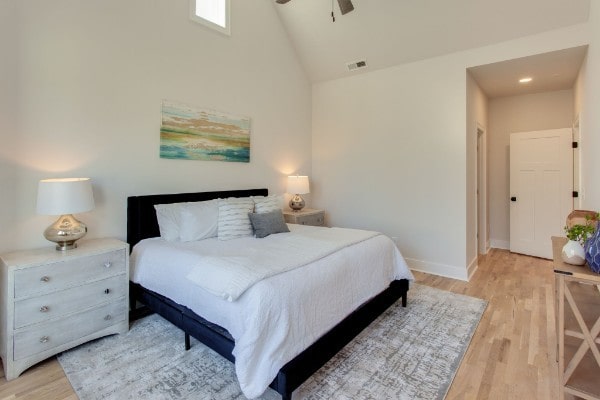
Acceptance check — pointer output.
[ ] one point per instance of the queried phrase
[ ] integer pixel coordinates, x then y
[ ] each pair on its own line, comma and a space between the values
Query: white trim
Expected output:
448, 271
499, 244
472, 268
224, 30
482, 186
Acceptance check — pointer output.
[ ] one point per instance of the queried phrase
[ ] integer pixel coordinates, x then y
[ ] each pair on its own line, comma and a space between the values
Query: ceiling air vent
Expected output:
353, 66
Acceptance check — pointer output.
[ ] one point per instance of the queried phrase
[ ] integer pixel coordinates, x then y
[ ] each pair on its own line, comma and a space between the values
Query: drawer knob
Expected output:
44, 339
45, 279
108, 317
107, 291
44, 309
108, 264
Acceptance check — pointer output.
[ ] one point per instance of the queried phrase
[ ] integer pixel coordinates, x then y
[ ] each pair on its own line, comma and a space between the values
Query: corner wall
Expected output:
477, 117
92, 75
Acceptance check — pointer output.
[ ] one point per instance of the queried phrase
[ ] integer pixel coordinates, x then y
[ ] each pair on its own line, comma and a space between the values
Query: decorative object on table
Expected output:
582, 217
65, 197
189, 133
592, 252
297, 185
573, 251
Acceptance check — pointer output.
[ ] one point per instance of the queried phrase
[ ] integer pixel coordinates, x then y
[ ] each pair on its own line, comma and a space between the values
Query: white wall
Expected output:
476, 119
590, 117
91, 78
390, 152
578, 100
8, 123
533, 112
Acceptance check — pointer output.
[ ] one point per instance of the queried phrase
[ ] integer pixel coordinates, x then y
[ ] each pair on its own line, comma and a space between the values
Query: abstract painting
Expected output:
188, 133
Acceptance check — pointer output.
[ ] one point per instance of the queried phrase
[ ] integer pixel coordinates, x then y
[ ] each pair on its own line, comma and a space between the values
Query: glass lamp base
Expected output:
65, 232
297, 203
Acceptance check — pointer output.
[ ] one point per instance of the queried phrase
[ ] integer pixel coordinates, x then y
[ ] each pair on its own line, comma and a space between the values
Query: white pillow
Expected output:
267, 204
199, 220
168, 218
233, 218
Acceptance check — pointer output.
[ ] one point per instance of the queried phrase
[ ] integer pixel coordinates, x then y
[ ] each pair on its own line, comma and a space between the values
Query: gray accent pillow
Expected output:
265, 224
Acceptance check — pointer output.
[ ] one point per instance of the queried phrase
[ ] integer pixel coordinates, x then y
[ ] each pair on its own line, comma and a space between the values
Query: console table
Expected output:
578, 326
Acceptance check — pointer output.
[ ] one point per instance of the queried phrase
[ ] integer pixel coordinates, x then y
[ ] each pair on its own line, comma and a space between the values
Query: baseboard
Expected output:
472, 268
448, 271
500, 244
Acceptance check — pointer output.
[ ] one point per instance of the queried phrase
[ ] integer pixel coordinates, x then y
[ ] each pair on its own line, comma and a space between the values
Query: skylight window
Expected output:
211, 13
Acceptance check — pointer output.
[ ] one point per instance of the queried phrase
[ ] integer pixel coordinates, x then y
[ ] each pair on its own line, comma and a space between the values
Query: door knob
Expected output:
513, 198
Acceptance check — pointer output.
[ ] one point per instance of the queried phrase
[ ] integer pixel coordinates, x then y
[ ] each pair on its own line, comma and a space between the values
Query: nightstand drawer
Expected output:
305, 217
314, 219
59, 275
53, 305
53, 334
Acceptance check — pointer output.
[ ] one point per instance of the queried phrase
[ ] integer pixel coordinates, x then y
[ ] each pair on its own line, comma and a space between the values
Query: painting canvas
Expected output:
187, 133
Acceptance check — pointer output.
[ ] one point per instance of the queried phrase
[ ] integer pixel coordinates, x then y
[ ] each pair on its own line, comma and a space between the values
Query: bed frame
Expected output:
142, 224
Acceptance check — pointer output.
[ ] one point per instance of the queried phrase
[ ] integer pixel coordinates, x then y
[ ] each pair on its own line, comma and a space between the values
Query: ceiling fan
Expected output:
345, 6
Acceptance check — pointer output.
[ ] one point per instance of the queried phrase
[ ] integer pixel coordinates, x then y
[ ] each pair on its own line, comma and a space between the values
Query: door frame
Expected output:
483, 229
577, 164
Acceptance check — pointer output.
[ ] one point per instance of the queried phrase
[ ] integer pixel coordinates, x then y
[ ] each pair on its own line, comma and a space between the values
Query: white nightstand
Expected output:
306, 216
53, 301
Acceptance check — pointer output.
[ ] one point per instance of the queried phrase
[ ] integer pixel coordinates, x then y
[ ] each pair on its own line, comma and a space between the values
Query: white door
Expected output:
541, 189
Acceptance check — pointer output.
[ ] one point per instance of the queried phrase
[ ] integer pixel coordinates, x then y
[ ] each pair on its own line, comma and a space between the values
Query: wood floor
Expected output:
512, 355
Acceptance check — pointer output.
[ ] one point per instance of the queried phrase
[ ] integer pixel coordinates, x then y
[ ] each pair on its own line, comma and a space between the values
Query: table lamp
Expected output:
297, 185
65, 197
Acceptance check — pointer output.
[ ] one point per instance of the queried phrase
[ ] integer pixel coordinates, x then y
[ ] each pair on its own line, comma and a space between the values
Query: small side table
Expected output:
306, 216
577, 326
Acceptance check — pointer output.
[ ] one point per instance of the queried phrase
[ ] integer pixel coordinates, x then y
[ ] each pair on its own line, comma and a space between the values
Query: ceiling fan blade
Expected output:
281, 1
345, 6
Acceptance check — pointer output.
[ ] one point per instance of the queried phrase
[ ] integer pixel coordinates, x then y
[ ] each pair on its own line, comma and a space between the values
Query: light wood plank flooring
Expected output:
512, 355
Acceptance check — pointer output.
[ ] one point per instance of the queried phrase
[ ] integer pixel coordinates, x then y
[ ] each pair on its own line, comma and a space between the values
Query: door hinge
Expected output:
575, 145
575, 193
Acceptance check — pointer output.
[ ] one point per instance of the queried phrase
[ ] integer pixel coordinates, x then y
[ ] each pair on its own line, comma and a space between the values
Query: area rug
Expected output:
407, 353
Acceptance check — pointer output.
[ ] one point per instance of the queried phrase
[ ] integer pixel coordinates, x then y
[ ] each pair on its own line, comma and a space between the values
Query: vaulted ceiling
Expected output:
392, 32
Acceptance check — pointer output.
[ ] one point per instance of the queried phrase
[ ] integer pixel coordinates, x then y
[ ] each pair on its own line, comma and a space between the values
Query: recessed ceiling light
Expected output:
525, 80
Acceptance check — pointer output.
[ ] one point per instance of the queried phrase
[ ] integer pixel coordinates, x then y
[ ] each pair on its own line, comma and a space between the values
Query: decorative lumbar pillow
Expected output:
199, 220
168, 219
268, 223
233, 218
266, 204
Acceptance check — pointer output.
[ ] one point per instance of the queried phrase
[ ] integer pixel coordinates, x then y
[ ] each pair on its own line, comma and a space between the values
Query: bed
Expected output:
142, 225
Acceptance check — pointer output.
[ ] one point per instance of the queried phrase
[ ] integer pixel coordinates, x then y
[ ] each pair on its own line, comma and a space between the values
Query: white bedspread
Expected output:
280, 316
231, 273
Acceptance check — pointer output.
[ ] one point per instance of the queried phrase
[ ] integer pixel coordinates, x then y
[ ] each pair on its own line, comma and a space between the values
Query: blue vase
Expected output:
592, 251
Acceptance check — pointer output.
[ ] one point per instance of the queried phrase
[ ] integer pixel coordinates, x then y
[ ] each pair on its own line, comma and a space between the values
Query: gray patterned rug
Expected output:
407, 353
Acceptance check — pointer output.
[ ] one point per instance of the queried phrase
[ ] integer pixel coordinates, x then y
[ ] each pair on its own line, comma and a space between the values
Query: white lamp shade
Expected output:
64, 196
298, 185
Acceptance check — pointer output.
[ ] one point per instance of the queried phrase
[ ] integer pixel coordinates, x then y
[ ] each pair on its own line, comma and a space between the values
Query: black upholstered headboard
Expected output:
141, 215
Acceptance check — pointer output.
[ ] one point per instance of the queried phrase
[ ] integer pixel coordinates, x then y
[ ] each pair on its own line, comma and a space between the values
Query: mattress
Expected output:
280, 316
